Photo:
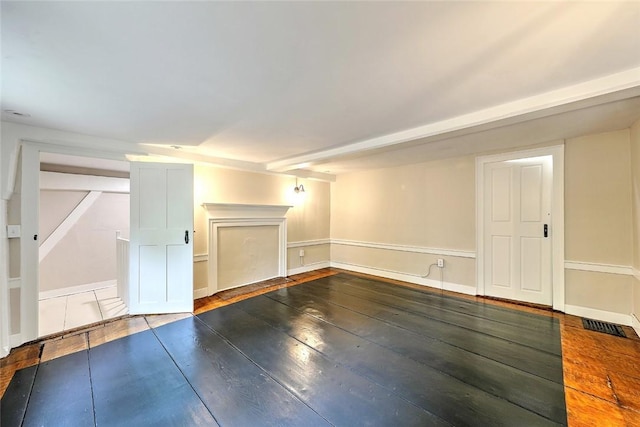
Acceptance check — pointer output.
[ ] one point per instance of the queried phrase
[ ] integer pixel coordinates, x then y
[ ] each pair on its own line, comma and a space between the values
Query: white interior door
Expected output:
517, 221
161, 254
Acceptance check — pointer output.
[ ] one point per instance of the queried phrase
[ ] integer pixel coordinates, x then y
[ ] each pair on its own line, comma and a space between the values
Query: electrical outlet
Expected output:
301, 252
440, 262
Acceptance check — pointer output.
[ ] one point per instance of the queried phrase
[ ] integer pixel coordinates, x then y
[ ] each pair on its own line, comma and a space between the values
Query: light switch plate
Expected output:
13, 231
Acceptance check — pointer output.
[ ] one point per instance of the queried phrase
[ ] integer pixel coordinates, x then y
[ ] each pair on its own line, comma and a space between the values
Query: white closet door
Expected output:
161, 243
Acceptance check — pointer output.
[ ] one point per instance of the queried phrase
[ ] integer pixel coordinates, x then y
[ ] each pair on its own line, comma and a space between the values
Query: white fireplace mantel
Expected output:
238, 210
222, 215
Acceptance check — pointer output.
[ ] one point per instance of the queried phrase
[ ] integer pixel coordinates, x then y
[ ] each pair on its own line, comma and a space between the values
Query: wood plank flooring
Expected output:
329, 348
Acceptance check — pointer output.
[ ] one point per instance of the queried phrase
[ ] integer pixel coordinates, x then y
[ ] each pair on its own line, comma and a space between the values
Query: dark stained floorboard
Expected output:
233, 388
469, 386
341, 396
526, 358
61, 394
14, 404
532, 338
348, 351
136, 383
488, 311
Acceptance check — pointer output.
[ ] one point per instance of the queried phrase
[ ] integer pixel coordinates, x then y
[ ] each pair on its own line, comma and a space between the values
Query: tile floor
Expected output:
72, 311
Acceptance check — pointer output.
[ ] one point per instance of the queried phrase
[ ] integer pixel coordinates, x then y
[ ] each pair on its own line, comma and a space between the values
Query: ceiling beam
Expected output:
609, 88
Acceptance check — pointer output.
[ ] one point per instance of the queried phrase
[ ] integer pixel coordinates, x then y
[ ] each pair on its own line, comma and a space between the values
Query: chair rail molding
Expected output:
406, 248
599, 268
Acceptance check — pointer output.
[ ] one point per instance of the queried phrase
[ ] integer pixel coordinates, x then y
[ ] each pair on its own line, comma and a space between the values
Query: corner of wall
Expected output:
635, 212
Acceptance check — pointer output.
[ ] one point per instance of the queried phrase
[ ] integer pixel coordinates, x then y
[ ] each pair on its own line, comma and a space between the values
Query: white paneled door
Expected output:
161, 241
517, 221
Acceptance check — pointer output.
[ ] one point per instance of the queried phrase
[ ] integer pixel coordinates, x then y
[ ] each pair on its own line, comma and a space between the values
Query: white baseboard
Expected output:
15, 340
635, 324
200, 293
411, 278
76, 289
594, 313
308, 267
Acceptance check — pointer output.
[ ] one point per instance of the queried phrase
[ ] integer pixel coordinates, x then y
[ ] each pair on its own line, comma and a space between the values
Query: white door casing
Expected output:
161, 240
29, 242
517, 248
514, 259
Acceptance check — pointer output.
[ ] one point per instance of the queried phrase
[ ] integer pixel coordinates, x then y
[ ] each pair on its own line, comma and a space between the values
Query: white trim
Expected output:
568, 98
594, 313
14, 283
244, 215
635, 324
635, 272
598, 268
15, 340
201, 258
5, 284
67, 224
29, 222
557, 215
123, 259
242, 211
304, 243
200, 293
70, 290
77, 182
406, 248
301, 244
406, 277
308, 267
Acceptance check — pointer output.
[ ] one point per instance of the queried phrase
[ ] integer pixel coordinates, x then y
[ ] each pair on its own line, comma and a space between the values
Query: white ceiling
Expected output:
328, 86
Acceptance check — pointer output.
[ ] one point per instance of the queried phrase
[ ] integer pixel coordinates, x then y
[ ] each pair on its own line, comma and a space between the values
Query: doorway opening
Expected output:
84, 212
520, 225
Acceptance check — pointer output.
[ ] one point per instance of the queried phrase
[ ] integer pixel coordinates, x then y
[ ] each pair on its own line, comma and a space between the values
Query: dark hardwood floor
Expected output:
342, 349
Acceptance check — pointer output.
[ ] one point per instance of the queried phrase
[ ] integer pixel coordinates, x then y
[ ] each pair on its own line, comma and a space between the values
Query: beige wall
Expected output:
426, 205
87, 253
598, 219
308, 219
247, 255
598, 199
635, 208
313, 255
55, 206
432, 205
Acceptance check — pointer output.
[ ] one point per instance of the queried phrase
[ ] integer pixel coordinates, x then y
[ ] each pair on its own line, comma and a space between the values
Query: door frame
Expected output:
30, 221
557, 216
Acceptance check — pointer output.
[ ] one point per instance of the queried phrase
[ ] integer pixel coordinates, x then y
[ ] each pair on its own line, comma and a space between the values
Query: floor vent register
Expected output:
604, 327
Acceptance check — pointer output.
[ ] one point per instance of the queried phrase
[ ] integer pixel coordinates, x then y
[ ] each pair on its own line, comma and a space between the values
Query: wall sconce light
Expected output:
298, 188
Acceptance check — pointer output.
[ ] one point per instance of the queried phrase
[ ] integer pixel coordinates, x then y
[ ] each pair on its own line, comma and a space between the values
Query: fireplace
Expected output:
247, 244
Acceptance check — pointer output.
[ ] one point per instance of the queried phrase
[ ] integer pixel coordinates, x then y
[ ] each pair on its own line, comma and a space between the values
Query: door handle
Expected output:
546, 230
186, 237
